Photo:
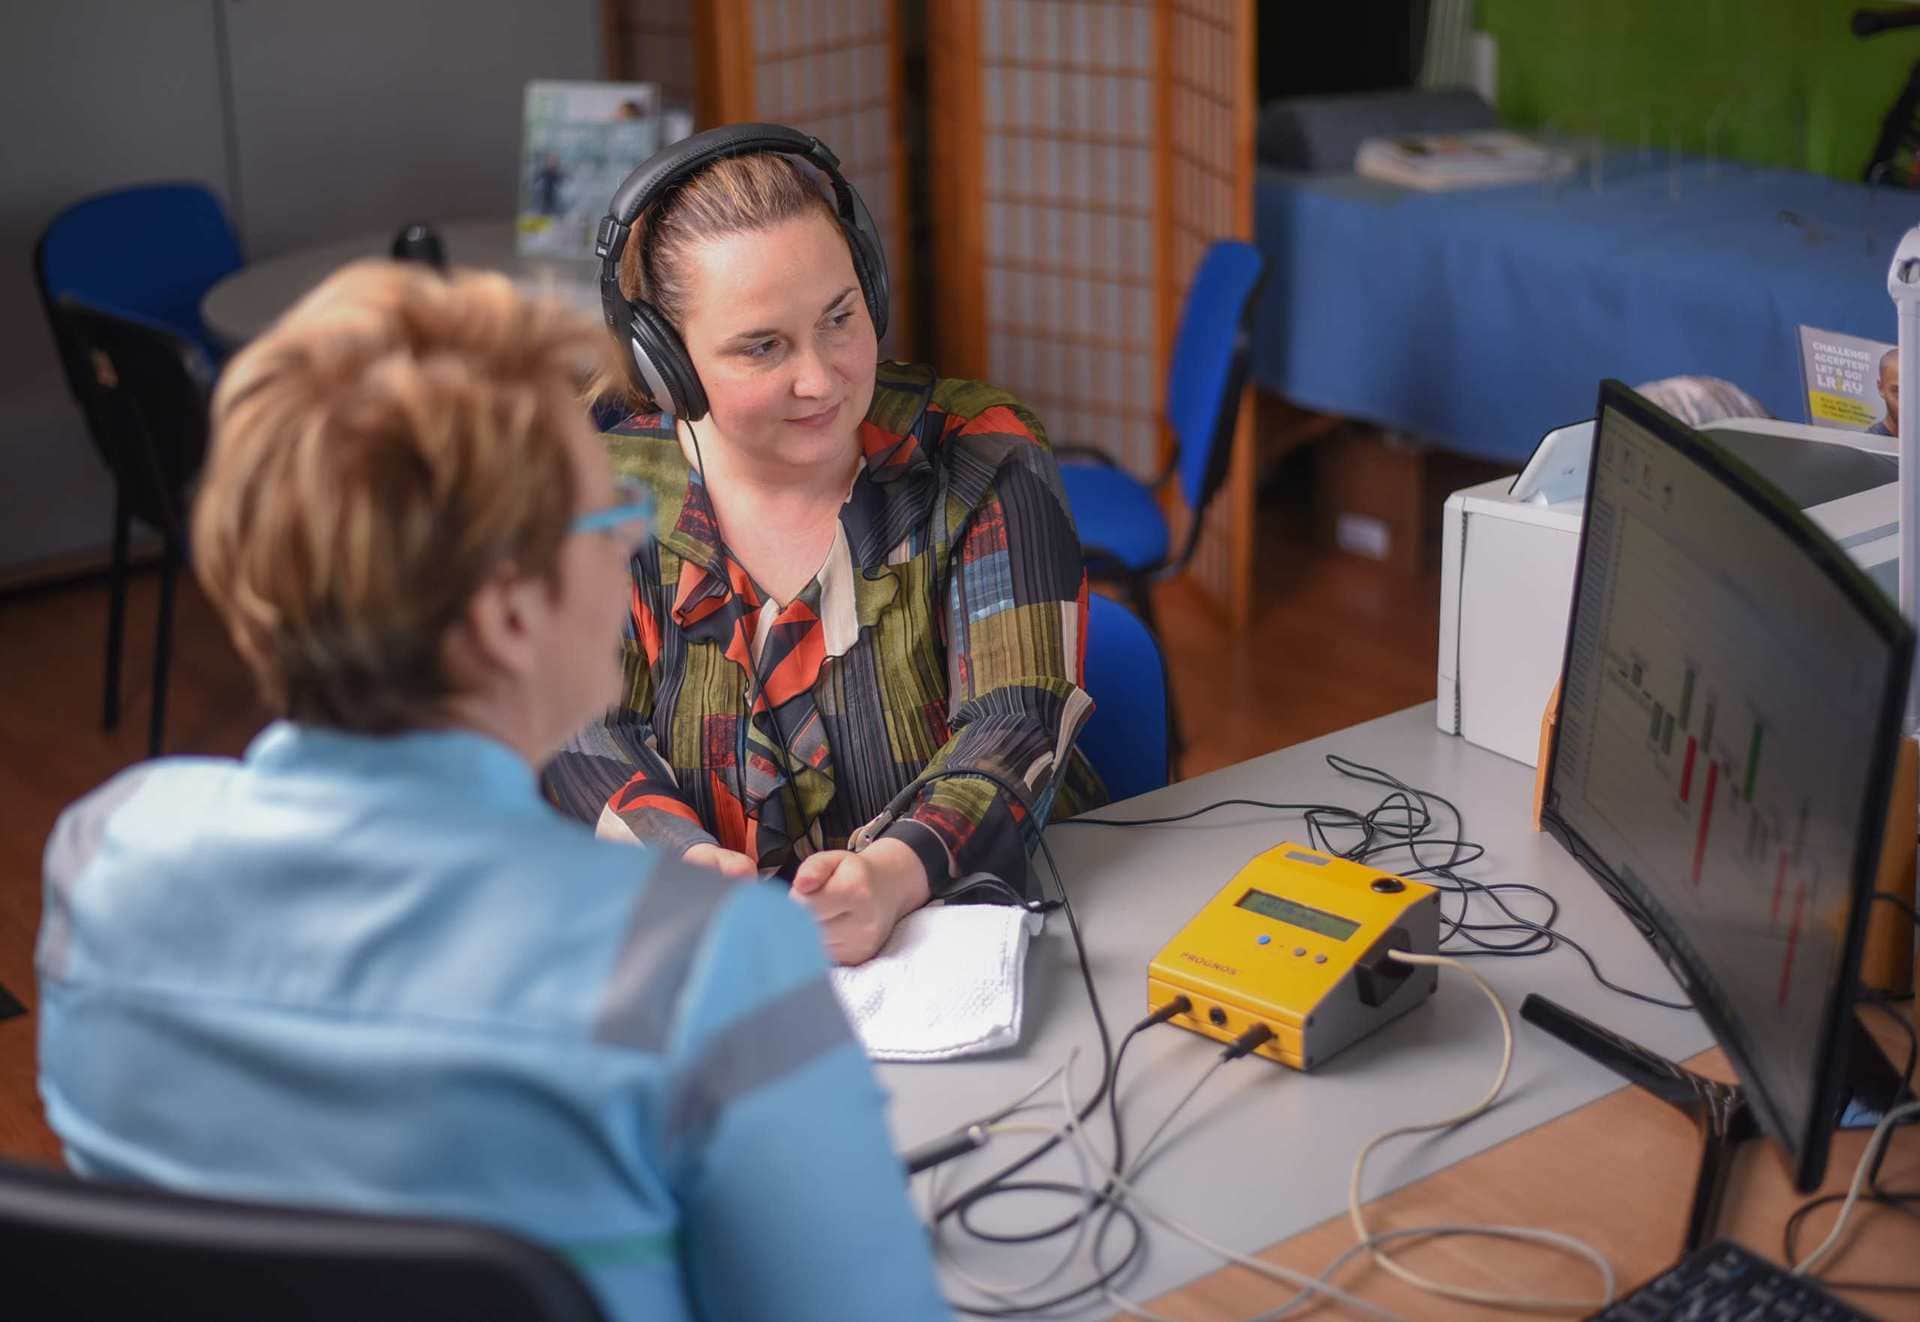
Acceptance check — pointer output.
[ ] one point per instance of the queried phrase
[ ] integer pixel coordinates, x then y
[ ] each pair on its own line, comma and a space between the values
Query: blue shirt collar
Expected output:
481, 767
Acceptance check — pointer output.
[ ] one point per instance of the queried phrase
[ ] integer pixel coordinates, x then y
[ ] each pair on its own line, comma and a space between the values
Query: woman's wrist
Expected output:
899, 870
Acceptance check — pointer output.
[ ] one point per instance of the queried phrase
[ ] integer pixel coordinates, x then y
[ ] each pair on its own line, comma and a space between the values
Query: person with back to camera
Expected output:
367, 965
864, 577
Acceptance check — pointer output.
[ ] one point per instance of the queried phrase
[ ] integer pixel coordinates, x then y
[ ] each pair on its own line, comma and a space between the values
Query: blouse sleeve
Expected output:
613, 774
1014, 623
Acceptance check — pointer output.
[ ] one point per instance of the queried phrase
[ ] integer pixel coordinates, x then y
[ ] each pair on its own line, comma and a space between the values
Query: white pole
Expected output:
1903, 284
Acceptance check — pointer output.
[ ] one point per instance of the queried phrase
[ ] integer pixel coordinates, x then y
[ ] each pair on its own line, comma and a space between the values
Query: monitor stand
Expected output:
1718, 1110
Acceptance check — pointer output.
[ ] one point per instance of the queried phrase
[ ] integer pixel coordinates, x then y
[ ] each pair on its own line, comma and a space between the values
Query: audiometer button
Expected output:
1263, 938
1389, 885
1299, 950
1319, 959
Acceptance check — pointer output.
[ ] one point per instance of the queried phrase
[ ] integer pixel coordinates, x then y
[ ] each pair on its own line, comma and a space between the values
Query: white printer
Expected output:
1508, 549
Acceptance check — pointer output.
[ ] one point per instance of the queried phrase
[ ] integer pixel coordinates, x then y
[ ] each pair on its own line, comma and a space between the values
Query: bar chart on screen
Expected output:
1703, 751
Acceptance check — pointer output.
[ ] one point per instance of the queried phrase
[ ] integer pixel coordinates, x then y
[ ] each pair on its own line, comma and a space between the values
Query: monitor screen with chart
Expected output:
1731, 702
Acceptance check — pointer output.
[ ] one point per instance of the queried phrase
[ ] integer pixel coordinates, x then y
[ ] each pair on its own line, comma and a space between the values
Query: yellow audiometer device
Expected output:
1298, 941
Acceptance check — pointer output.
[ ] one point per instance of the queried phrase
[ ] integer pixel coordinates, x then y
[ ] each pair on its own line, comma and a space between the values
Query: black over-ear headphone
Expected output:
659, 365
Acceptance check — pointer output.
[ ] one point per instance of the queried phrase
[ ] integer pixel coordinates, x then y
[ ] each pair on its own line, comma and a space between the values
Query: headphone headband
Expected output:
689, 156
660, 366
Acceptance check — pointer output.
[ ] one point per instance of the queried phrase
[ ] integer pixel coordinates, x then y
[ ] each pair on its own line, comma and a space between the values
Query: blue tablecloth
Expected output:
1480, 319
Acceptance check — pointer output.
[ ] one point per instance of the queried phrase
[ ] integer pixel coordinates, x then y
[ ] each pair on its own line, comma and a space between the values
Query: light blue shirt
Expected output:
382, 974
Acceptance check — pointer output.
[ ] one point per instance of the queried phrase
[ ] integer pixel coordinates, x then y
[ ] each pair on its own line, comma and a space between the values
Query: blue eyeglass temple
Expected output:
636, 505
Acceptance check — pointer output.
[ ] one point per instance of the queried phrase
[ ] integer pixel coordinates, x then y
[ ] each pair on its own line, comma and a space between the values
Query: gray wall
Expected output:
347, 117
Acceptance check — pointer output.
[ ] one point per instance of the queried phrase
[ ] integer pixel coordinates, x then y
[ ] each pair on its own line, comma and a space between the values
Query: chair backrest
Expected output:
1126, 737
152, 250
144, 390
1209, 366
91, 1250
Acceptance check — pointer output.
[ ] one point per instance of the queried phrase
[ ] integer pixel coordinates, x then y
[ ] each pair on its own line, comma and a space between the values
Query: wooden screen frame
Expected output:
957, 279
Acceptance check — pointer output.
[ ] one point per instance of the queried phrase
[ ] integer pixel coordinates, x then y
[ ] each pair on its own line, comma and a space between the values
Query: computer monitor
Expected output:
1730, 710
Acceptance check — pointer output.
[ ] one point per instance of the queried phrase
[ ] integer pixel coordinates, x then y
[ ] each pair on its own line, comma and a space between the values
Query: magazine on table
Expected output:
1852, 383
1460, 160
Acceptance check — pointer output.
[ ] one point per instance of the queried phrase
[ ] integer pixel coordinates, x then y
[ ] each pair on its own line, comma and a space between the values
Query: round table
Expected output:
246, 302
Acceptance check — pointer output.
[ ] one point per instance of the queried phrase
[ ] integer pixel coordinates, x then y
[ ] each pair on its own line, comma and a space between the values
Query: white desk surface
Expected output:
1263, 1152
246, 302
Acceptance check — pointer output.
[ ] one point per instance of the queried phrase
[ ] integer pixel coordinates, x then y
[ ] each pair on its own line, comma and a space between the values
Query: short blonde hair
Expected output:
387, 446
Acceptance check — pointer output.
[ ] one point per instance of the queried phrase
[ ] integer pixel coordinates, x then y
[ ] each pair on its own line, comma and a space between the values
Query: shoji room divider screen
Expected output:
1083, 154
651, 41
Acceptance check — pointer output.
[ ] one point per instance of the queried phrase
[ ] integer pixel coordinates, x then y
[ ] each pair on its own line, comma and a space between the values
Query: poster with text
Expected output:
1853, 383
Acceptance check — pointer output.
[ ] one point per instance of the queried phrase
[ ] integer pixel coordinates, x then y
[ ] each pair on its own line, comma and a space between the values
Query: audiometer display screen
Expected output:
1299, 915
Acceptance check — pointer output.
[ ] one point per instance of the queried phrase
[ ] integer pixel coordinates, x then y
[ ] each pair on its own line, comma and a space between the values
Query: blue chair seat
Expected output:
1116, 513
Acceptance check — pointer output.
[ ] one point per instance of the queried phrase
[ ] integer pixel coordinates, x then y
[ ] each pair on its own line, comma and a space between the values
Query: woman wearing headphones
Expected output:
854, 647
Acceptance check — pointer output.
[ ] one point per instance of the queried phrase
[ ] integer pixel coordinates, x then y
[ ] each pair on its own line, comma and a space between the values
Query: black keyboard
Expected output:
1725, 1283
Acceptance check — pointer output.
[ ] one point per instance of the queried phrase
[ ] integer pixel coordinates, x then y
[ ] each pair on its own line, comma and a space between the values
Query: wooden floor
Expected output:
1334, 640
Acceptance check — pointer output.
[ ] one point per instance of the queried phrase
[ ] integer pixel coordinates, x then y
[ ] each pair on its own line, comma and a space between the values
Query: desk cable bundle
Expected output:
1114, 1191
1401, 821
1105, 1189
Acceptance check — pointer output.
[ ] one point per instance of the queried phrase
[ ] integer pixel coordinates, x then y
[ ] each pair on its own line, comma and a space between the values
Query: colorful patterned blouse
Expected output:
946, 631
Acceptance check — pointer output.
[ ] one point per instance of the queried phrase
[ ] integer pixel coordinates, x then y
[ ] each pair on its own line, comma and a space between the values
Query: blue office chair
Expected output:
151, 251
1127, 737
143, 257
1122, 530
86, 1250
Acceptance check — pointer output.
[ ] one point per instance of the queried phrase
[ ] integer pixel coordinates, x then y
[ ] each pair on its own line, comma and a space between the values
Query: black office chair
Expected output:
144, 390
77, 1249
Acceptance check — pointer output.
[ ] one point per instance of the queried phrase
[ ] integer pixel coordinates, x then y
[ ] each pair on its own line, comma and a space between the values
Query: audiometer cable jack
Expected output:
1248, 1041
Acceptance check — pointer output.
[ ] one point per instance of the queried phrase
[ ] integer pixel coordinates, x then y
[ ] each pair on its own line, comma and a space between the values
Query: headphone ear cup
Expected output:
662, 366
871, 267
869, 261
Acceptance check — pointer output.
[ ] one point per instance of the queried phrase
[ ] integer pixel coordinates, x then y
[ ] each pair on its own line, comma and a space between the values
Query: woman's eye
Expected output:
762, 349
840, 319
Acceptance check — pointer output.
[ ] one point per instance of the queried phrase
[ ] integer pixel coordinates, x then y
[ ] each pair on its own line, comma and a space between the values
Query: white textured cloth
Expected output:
950, 982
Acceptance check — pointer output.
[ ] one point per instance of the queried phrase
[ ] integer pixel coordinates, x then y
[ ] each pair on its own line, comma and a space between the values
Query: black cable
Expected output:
759, 690
1248, 1041
1239, 1047
1911, 912
1403, 820
1906, 1075
1900, 902
1001, 1181
1177, 1006
997, 1183
1222, 803
1907, 1201
1901, 1022
1541, 937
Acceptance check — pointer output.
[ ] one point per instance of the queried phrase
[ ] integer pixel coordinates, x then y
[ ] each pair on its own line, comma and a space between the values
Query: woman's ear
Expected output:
497, 636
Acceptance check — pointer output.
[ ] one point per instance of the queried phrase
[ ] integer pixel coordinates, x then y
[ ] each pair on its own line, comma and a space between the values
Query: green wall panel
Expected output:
1775, 82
